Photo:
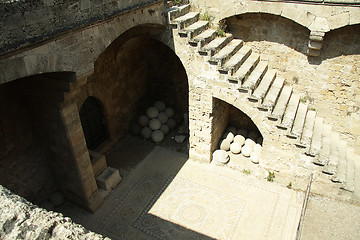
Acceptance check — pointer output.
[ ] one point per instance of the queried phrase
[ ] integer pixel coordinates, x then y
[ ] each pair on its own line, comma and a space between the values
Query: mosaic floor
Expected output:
170, 197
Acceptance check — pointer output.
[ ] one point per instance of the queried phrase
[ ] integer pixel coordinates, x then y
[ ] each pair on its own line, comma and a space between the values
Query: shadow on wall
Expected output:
267, 27
339, 42
134, 72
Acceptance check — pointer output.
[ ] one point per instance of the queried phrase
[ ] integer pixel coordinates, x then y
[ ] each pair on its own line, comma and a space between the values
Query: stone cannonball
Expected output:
225, 145
235, 147
163, 117
157, 136
165, 129
240, 139
146, 132
246, 150
171, 123
255, 157
250, 142
152, 112
230, 136
257, 148
170, 112
220, 157
57, 198
143, 121
160, 105
154, 124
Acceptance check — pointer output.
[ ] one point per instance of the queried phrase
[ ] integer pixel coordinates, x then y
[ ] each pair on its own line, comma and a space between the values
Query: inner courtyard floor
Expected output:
165, 195
168, 196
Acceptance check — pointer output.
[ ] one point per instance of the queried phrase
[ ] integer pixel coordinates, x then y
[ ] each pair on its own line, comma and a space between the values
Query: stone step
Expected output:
357, 176
255, 77
281, 103
290, 112
177, 11
203, 38
194, 29
226, 52
331, 166
245, 70
340, 175
236, 61
304, 124
315, 145
350, 170
264, 85
325, 148
272, 95
215, 45
299, 121
185, 20
108, 179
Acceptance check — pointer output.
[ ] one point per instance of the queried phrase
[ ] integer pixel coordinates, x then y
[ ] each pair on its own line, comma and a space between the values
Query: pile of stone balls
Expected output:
238, 142
156, 123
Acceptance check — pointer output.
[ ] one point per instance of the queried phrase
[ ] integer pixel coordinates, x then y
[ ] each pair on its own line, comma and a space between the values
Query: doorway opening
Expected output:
93, 123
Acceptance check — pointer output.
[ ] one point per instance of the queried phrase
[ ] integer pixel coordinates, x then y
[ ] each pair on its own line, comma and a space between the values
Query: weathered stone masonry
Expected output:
126, 54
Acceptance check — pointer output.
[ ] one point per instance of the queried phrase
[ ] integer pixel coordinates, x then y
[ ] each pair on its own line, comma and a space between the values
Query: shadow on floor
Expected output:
125, 212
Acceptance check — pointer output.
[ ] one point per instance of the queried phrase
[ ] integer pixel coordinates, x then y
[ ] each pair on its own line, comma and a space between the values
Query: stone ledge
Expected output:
20, 219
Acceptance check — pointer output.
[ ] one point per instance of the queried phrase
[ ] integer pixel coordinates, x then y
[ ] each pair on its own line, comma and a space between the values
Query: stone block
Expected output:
354, 16
98, 162
109, 178
319, 24
339, 20
313, 52
315, 45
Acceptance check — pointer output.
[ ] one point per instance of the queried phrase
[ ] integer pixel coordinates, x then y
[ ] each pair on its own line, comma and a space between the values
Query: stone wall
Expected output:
77, 50
220, 120
19, 219
48, 150
23, 163
332, 77
136, 70
167, 77
26, 22
324, 17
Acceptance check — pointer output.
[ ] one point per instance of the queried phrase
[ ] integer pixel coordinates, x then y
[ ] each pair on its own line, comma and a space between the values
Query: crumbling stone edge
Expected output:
20, 219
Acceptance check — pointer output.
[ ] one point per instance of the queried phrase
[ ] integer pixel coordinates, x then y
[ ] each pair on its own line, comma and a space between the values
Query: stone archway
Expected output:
135, 71
46, 133
93, 123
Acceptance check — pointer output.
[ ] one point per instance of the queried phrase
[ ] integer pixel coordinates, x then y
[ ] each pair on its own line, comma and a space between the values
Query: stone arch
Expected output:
255, 115
137, 69
258, 27
343, 41
219, 115
57, 140
93, 122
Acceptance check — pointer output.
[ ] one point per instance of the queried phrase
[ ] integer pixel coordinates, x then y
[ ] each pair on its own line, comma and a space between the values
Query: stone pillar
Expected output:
200, 109
220, 120
315, 43
79, 185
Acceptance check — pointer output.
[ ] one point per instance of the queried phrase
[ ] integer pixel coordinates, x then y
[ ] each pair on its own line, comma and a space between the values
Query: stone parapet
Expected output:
27, 22
19, 219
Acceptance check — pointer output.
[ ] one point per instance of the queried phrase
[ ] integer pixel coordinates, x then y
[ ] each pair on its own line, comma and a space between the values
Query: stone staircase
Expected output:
261, 85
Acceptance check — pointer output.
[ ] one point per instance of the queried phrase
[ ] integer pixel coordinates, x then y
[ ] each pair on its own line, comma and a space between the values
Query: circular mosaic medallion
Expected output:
192, 213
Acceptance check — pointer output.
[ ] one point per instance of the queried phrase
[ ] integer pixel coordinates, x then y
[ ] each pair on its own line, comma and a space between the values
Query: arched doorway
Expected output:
93, 124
